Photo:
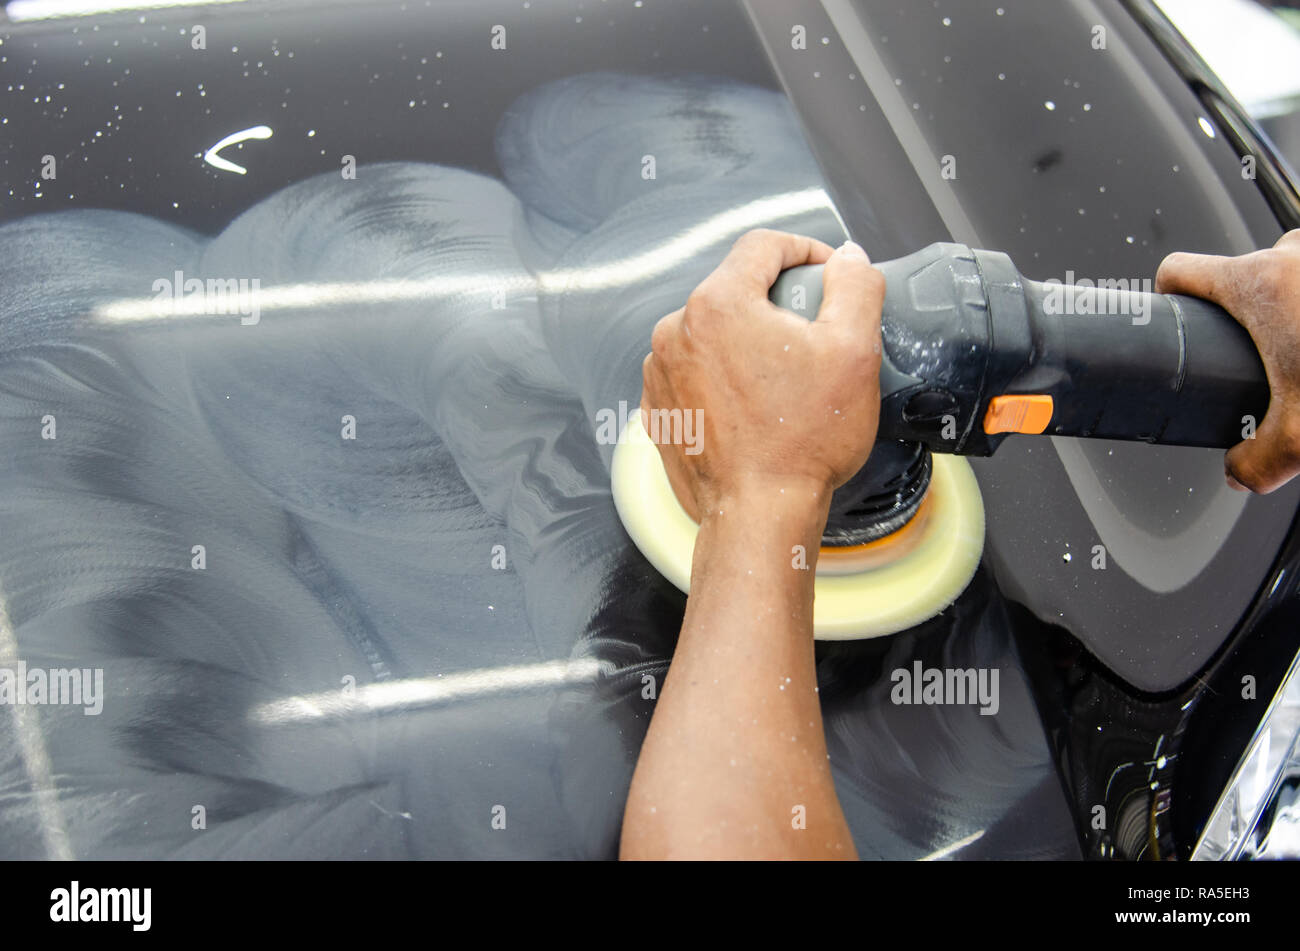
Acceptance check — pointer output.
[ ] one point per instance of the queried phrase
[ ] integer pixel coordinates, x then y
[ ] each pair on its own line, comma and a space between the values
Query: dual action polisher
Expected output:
973, 352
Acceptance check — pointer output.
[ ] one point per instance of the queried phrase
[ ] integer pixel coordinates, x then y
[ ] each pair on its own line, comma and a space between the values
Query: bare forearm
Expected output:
735, 763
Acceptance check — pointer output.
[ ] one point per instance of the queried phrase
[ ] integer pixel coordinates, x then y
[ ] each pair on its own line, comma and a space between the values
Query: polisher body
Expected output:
974, 351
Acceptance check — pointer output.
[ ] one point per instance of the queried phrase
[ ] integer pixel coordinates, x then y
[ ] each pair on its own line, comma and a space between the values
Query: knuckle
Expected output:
1173, 265
755, 236
858, 356
867, 360
1233, 281
1243, 479
1251, 281
701, 302
660, 337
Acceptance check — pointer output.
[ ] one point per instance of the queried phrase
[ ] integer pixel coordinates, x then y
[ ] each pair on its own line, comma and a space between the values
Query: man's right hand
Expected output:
1262, 291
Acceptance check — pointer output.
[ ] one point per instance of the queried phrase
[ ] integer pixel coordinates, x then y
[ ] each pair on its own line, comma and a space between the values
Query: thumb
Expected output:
1196, 275
1266, 462
853, 292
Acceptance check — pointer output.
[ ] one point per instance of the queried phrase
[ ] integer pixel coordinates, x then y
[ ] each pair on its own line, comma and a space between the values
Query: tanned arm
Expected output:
735, 764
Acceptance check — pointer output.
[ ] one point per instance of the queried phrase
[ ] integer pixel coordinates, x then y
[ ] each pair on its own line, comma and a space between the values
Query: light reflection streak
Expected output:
20, 10
649, 264
422, 692
948, 850
34, 754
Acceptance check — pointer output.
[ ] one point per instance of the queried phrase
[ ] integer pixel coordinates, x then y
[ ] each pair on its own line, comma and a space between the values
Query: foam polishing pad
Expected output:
864, 591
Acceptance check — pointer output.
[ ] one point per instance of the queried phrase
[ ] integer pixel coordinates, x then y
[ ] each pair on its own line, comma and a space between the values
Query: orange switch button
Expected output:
1018, 413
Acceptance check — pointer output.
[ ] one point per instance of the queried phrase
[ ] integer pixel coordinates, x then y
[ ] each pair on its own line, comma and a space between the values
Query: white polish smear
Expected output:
368, 559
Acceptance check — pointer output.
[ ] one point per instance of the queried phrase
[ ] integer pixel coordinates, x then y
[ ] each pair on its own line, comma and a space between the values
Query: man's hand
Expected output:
783, 399
1262, 291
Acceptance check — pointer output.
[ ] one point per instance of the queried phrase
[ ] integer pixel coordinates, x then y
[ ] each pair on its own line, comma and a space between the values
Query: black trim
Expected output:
1274, 177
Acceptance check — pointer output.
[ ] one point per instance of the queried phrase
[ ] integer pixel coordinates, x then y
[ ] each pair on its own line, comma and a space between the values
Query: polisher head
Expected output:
903, 540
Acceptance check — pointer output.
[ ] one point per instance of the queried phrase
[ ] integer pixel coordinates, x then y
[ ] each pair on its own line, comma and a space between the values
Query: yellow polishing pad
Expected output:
866, 591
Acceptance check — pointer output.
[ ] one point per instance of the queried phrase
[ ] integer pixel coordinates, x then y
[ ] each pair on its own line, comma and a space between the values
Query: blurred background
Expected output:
1254, 47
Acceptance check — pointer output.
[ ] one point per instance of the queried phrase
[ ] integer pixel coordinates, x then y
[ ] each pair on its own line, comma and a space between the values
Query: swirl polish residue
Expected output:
431, 640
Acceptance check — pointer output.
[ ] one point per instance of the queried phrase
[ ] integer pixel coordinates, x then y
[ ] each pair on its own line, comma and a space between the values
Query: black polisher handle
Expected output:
968, 341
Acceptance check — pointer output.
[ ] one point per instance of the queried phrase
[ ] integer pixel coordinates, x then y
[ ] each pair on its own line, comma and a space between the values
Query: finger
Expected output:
1198, 275
656, 394
654, 386
645, 376
651, 396
759, 257
1264, 463
656, 389
679, 479
853, 293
